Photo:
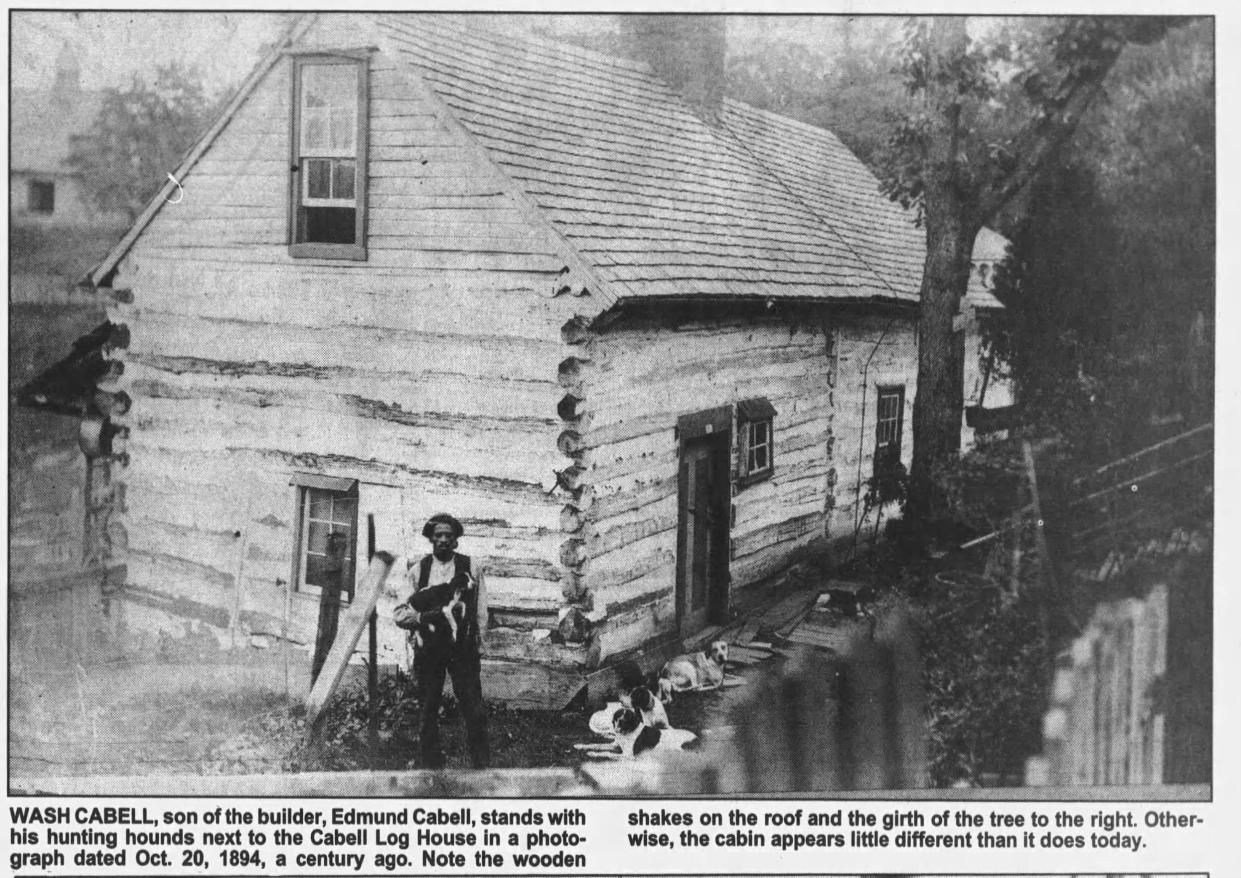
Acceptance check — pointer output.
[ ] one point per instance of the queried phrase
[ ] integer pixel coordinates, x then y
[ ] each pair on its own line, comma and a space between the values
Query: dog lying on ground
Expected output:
848, 602
630, 736
697, 670
649, 708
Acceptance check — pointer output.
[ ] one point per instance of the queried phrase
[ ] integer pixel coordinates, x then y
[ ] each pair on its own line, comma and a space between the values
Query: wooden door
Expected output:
702, 538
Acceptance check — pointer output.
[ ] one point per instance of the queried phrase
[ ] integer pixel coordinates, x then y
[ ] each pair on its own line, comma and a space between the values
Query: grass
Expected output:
80, 726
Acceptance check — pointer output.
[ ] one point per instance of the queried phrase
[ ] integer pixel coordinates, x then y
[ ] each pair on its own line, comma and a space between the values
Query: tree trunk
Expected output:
950, 232
940, 398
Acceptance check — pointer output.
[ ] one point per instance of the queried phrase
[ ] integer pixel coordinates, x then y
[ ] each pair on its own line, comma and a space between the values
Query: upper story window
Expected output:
41, 196
328, 195
756, 439
888, 426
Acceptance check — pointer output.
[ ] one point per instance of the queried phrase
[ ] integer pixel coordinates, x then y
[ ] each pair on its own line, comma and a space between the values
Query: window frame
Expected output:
299, 179
754, 413
344, 489
32, 186
882, 391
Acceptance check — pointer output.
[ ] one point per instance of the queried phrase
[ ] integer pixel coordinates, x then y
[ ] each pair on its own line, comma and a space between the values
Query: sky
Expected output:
111, 47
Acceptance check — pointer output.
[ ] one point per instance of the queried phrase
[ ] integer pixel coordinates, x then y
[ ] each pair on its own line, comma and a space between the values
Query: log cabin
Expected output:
646, 342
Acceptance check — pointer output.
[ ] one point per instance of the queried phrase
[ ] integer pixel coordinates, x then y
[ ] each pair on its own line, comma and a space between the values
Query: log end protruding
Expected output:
571, 519
576, 330
567, 407
572, 553
570, 444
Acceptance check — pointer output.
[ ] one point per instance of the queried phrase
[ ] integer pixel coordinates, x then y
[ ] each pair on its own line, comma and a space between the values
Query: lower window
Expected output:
41, 196
328, 523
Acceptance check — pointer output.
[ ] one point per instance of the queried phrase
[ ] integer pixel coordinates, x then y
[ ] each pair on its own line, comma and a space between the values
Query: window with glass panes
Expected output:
758, 451
330, 157
41, 196
327, 516
889, 418
755, 440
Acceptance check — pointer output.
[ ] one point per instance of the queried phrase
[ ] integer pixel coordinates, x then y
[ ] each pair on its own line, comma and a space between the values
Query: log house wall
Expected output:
447, 372
639, 376
428, 372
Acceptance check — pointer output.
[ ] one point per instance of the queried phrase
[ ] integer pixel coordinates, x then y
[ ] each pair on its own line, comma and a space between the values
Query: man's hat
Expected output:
442, 518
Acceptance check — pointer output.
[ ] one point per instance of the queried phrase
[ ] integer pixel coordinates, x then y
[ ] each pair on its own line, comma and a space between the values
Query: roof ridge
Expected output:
551, 45
523, 200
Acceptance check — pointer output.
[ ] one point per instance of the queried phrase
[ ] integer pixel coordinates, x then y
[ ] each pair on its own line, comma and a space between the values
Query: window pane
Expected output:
329, 108
329, 85
344, 126
318, 178
329, 225
760, 459
314, 129
342, 512
316, 570
319, 504
343, 176
316, 538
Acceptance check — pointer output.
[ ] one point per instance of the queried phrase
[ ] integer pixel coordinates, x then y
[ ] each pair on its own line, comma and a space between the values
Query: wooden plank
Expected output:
791, 608
747, 632
531, 685
351, 626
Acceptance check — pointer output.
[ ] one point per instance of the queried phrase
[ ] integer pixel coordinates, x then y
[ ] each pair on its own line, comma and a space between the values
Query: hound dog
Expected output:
630, 737
698, 670
450, 615
649, 708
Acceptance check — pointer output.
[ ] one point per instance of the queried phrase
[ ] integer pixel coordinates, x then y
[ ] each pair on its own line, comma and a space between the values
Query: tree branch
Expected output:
1042, 139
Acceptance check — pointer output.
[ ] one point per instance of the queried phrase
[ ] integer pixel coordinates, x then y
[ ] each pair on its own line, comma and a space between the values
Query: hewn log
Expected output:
567, 407
570, 443
572, 552
576, 330
571, 519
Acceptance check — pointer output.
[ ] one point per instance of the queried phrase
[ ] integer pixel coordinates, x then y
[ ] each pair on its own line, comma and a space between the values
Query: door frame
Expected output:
711, 427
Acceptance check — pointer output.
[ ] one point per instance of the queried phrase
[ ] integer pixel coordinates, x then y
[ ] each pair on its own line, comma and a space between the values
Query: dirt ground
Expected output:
71, 726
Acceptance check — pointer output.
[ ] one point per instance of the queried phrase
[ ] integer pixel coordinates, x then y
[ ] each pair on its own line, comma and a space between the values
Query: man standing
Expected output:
444, 584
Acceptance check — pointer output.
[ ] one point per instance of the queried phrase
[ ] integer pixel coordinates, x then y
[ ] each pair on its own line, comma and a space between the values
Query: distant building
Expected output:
43, 190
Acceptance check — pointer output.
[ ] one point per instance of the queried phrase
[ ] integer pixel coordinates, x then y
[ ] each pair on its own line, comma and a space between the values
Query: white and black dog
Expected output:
697, 670
631, 736
650, 709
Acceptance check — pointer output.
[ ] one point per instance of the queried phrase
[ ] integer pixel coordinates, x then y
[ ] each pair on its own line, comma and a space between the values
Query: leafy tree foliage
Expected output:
139, 136
1113, 261
855, 93
991, 110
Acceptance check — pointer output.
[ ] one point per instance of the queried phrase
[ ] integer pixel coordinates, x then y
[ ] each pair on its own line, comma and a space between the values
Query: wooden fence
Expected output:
1130, 542
1106, 723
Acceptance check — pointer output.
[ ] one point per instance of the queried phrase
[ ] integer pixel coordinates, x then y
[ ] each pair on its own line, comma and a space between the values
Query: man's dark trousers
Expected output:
463, 665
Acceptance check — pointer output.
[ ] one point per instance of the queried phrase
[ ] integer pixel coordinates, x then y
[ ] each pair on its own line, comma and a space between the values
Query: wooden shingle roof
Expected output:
658, 202
653, 200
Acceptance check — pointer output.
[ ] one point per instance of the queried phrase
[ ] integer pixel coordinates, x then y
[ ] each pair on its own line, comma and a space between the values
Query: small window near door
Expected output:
327, 534
41, 196
756, 440
888, 425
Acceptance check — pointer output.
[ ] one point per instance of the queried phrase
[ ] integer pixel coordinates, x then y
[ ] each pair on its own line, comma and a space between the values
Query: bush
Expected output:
985, 486
986, 675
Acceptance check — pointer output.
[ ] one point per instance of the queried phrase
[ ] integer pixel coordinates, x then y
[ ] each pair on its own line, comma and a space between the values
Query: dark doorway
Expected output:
702, 523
